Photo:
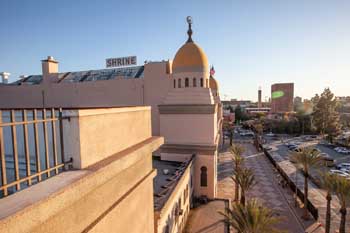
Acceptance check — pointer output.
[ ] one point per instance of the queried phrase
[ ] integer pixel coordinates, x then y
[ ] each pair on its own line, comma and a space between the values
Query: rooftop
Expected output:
168, 175
89, 75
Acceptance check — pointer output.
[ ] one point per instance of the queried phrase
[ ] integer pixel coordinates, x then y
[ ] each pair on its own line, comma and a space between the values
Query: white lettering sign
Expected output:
120, 61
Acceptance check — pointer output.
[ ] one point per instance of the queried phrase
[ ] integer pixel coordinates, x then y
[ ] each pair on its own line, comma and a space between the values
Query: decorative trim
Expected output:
187, 109
188, 149
182, 69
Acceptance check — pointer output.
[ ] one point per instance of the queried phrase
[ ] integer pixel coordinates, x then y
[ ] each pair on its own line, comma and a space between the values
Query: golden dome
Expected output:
190, 57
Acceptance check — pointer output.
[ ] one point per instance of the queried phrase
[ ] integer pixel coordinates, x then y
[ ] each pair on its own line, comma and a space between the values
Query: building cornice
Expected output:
187, 109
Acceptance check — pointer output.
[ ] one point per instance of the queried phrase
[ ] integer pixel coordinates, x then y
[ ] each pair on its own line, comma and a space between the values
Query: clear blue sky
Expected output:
250, 43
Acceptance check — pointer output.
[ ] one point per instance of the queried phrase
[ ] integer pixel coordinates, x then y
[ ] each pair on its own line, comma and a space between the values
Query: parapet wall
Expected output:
112, 193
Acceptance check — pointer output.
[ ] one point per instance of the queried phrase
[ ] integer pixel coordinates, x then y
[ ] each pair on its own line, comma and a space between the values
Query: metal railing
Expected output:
31, 147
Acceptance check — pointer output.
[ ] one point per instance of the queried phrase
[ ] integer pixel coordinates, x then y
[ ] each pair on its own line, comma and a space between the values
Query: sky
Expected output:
250, 43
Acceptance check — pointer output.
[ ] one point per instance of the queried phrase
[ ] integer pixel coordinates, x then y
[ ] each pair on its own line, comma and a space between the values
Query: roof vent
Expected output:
165, 171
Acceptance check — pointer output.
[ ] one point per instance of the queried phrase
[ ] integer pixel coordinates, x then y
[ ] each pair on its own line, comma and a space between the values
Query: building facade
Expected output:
282, 95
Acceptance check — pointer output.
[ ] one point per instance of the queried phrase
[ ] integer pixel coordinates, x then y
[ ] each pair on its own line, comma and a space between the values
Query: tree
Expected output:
252, 218
237, 151
325, 116
328, 182
306, 158
246, 179
240, 115
343, 193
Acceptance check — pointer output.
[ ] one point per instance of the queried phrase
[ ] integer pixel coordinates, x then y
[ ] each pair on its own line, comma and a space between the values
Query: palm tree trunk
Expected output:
328, 212
236, 192
242, 198
342, 220
306, 189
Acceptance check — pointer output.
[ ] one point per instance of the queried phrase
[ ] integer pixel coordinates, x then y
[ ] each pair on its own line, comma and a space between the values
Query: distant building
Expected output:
282, 95
298, 103
259, 98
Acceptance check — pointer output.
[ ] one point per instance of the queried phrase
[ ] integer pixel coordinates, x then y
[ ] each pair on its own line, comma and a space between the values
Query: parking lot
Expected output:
284, 151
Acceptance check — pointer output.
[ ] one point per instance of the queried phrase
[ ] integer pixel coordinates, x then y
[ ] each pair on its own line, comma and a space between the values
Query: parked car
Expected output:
328, 160
339, 173
342, 150
343, 165
347, 170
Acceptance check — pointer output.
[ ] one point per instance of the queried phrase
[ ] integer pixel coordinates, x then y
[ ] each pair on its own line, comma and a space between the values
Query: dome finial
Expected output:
189, 32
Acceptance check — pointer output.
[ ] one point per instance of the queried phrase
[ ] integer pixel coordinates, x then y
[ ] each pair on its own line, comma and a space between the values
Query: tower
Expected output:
259, 98
190, 116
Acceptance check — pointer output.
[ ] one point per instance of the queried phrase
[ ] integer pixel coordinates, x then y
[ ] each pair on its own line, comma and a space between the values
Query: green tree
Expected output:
306, 158
328, 182
246, 179
343, 194
240, 115
325, 115
237, 151
252, 218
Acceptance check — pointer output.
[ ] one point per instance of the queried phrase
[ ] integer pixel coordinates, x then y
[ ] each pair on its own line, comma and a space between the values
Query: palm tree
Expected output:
246, 179
306, 158
236, 151
328, 182
343, 193
252, 218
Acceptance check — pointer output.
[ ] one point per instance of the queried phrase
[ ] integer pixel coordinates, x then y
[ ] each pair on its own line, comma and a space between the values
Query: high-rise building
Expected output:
259, 98
282, 95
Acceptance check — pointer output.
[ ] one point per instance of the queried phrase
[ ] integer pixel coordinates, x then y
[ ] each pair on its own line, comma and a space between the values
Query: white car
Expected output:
343, 165
342, 150
339, 173
346, 170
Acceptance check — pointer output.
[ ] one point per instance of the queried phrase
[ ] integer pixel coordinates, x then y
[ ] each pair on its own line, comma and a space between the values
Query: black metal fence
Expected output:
31, 147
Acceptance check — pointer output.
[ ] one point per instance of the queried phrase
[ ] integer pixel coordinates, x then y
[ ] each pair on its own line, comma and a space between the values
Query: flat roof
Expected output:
168, 175
88, 75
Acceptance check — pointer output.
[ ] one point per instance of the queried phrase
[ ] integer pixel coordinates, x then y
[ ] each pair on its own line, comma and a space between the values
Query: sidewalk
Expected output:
316, 195
267, 191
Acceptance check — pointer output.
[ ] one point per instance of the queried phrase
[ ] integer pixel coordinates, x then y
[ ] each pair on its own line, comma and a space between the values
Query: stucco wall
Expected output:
108, 93
156, 85
188, 128
94, 134
209, 161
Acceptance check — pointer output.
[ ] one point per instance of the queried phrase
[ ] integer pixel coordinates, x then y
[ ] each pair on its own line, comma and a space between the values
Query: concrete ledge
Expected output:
102, 111
188, 149
187, 109
50, 202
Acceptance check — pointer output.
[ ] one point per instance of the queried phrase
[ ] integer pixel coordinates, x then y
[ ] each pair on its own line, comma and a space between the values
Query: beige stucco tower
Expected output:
190, 116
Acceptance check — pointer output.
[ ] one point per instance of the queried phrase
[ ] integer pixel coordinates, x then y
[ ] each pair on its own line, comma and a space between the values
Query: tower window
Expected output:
201, 82
179, 83
186, 82
194, 82
204, 177
174, 83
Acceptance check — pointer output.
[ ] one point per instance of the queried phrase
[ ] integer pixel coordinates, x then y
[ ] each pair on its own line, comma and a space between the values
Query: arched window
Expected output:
179, 83
174, 83
201, 82
194, 82
186, 82
204, 176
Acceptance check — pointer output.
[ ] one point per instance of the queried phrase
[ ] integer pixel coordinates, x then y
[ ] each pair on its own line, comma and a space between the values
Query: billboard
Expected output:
282, 95
121, 61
